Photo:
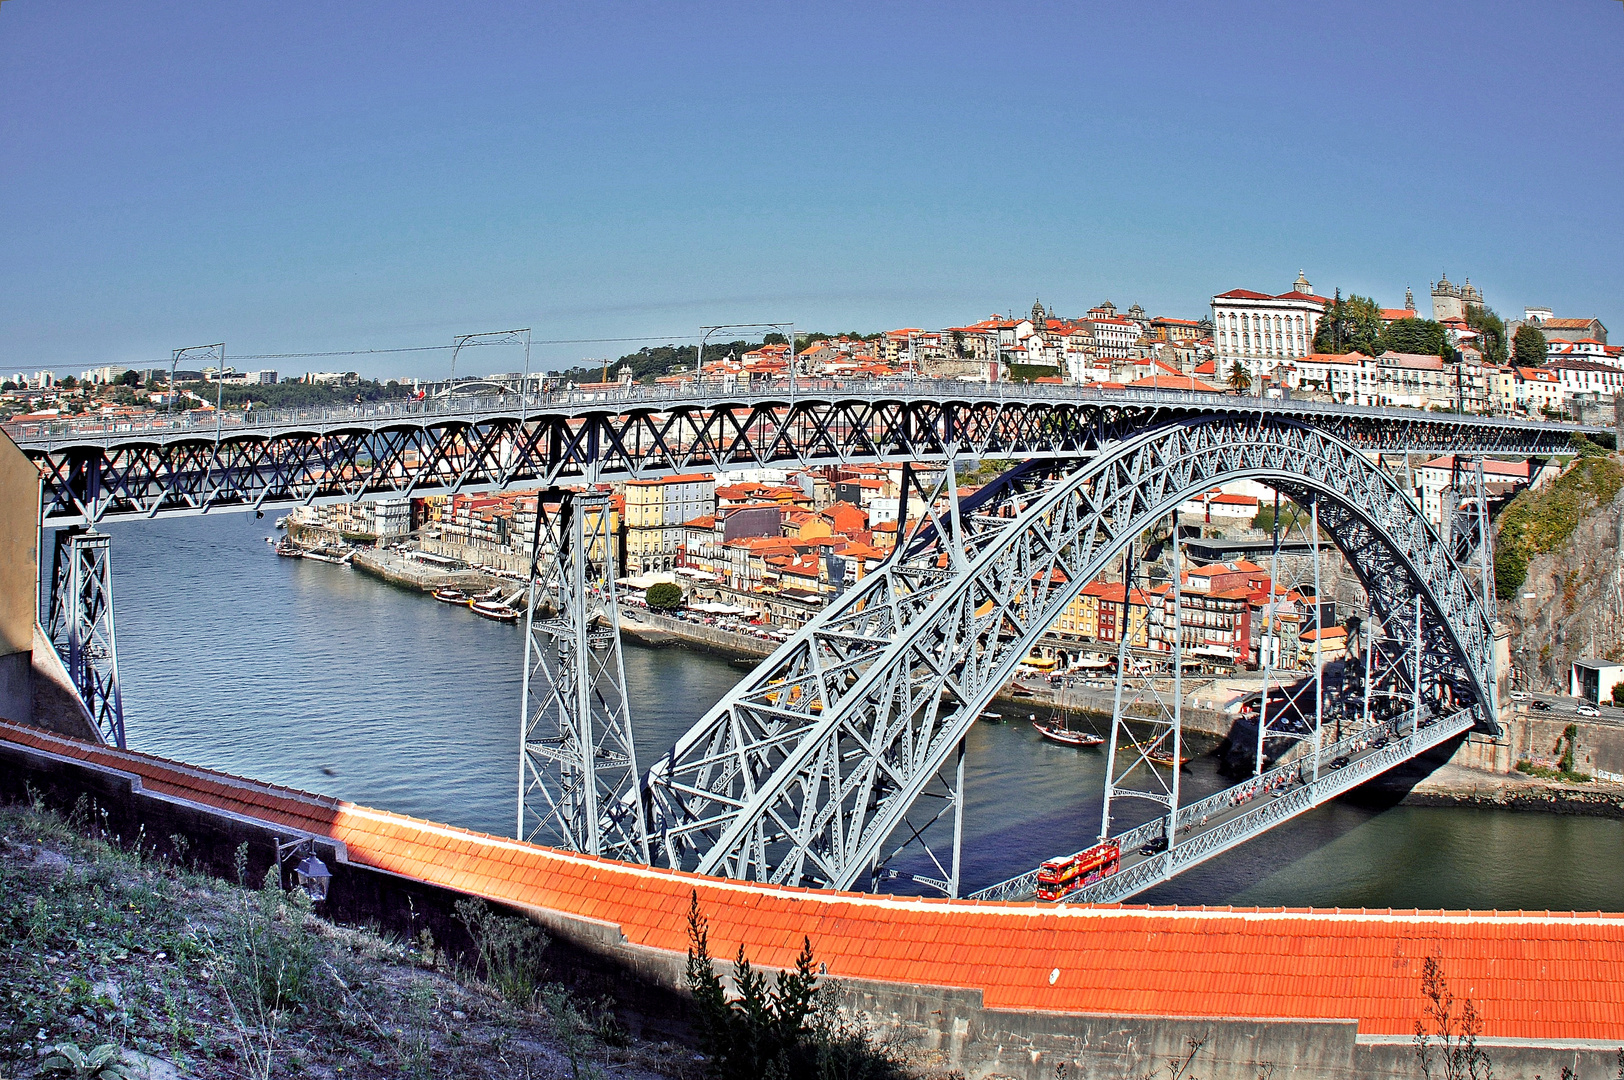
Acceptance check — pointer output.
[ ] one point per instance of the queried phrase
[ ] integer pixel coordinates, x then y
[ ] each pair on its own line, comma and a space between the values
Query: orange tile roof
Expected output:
1532, 975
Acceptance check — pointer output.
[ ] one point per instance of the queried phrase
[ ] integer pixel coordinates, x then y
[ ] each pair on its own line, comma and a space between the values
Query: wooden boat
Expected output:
1159, 756
490, 609
1059, 733
451, 596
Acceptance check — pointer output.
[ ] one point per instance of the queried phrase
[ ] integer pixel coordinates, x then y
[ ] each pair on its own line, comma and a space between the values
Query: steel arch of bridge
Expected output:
800, 774
96, 473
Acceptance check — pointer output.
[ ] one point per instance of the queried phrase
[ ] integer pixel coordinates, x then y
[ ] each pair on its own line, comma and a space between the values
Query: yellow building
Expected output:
656, 511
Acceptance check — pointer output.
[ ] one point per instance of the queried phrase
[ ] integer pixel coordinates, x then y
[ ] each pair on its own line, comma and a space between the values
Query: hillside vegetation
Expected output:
1539, 522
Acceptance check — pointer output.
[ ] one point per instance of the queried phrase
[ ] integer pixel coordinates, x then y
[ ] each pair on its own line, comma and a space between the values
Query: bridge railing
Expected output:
232, 423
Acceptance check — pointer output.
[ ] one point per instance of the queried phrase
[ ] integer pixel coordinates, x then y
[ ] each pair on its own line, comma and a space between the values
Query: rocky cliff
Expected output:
1559, 570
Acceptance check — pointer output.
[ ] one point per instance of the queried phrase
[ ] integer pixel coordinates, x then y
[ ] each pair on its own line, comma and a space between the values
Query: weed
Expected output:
1178, 1067
1446, 1046
68, 1060
269, 962
572, 1029
509, 950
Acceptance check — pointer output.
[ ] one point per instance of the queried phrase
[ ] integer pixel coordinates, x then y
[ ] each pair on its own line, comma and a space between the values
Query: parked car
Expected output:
1588, 710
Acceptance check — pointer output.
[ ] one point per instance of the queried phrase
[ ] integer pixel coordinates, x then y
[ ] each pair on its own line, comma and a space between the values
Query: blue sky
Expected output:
299, 176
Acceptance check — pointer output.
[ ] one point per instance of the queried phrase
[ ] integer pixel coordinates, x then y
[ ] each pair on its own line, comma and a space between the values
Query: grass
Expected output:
1545, 772
101, 944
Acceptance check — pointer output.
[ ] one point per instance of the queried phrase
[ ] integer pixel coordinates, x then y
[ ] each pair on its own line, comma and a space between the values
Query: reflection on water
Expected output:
322, 678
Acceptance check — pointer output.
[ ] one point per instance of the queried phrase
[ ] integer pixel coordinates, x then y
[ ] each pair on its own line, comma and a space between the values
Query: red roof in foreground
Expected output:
1533, 975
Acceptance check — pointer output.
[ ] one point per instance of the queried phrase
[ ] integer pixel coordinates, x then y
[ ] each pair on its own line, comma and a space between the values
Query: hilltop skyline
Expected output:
300, 179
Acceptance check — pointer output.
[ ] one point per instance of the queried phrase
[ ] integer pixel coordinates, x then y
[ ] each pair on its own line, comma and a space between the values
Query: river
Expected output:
321, 678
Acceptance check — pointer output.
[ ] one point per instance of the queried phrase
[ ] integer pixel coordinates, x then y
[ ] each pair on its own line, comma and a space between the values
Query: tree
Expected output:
663, 596
1491, 330
1529, 346
1351, 325
130, 378
68, 382
1422, 336
1240, 380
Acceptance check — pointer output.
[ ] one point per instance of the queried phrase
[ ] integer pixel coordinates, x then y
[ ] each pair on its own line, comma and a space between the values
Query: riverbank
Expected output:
1456, 785
1474, 778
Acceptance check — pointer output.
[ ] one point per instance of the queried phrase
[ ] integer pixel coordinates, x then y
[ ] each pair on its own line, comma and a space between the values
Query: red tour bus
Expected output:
1061, 877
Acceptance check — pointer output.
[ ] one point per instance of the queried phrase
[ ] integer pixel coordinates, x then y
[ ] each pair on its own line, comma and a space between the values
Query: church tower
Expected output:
1039, 316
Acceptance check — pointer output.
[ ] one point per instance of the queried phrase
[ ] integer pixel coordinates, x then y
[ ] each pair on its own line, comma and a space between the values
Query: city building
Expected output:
1262, 331
1436, 477
1585, 377
1352, 378
657, 512
1416, 381
1556, 329
1537, 390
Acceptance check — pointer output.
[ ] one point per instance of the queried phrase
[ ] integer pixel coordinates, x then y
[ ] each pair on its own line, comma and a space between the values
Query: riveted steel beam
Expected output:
96, 471
801, 772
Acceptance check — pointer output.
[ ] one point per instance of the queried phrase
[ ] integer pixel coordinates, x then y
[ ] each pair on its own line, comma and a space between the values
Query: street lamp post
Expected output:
786, 328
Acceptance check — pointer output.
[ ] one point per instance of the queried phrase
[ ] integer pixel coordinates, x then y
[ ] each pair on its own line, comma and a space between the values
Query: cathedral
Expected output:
1450, 301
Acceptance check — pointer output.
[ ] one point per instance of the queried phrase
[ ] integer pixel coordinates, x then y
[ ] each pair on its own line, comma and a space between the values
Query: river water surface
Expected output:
324, 679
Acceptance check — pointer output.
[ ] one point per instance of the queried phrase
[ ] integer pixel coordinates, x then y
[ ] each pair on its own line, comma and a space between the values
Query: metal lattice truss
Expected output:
577, 766
1422, 732
81, 626
95, 472
801, 773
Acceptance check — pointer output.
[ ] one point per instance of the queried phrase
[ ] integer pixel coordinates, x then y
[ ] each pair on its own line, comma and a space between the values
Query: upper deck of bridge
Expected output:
1395, 428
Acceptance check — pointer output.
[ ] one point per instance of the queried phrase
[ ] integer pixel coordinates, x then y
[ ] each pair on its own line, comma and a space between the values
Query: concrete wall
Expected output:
19, 578
1528, 736
949, 1026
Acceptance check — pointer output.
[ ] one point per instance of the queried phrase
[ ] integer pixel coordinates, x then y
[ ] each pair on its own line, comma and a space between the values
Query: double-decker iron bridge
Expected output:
807, 771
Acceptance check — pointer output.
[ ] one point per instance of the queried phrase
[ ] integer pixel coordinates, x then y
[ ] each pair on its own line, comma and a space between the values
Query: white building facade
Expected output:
1262, 331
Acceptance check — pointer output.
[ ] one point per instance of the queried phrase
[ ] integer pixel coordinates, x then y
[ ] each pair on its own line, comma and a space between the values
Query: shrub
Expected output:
663, 596
787, 1031
1537, 522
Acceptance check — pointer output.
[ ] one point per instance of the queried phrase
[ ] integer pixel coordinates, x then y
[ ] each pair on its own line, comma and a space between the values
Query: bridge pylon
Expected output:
578, 779
81, 625
1145, 752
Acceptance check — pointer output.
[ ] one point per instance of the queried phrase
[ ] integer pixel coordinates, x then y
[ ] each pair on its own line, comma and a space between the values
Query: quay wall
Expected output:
411, 574
990, 990
1598, 746
714, 639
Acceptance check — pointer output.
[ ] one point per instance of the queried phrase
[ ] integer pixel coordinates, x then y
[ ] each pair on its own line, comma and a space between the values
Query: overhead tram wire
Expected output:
441, 348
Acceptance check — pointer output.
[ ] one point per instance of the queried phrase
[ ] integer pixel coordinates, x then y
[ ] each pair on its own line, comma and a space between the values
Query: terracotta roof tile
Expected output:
1533, 975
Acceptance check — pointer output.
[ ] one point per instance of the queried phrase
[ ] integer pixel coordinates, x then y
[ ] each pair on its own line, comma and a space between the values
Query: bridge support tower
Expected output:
82, 627
578, 779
